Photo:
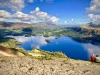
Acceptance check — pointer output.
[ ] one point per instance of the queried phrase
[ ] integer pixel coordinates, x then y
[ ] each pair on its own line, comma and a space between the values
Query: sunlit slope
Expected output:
22, 25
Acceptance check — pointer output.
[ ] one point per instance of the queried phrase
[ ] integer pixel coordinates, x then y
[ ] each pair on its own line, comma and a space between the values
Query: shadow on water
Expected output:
3, 33
94, 40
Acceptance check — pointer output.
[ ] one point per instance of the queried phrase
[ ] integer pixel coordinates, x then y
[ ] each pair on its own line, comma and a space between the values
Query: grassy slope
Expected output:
37, 53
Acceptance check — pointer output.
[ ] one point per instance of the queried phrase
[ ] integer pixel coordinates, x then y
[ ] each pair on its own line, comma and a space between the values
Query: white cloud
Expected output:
94, 7
28, 18
37, 9
15, 5
53, 19
93, 17
31, 1
2, 19
44, 16
65, 22
18, 16
23, 17
72, 19
94, 10
4, 14
18, 20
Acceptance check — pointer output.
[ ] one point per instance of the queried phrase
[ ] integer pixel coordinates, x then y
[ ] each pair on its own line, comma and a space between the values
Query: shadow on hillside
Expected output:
6, 24
94, 40
4, 40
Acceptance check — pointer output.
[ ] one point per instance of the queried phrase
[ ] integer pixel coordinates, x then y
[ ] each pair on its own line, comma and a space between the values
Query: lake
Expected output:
70, 47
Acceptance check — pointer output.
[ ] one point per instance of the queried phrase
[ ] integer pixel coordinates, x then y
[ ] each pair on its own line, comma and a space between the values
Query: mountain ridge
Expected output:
91, 25
4, 24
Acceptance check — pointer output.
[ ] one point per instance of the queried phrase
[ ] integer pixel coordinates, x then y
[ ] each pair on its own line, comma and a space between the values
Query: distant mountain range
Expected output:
42, 24
13, 25
91, 25
94, 24
20, 25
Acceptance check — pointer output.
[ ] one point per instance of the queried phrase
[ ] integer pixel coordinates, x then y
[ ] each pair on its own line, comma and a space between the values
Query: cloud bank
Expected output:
93, 17
17, 5
94, 10
44, 16
94, 7
4, 14
33, 16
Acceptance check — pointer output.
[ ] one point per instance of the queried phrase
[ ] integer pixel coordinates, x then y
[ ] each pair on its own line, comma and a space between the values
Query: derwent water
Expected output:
64, 44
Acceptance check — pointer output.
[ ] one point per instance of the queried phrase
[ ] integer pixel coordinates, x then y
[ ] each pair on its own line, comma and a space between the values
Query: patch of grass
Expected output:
49, 55
10, 43
21, 50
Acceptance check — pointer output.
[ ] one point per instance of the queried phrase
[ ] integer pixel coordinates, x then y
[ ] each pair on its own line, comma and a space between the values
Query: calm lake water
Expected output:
70, 47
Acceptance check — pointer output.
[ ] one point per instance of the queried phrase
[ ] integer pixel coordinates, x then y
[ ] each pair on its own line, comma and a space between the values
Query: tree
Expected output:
29, 30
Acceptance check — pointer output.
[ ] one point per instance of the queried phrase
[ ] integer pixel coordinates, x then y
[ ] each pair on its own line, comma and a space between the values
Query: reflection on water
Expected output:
92, 49
68, 46
29, 43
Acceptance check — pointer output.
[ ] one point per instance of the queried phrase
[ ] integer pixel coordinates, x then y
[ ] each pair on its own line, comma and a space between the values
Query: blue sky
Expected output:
68, 12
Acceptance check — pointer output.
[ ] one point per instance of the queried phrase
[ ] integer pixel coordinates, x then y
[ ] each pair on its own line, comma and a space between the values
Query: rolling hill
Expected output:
94, 24
13, 25
23, 25
91, 25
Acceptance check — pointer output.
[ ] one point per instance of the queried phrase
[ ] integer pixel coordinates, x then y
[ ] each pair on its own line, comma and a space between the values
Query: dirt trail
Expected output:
5, 54
31, 66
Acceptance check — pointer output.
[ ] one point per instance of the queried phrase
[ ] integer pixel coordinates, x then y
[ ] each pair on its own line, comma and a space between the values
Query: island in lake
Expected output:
47, 40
